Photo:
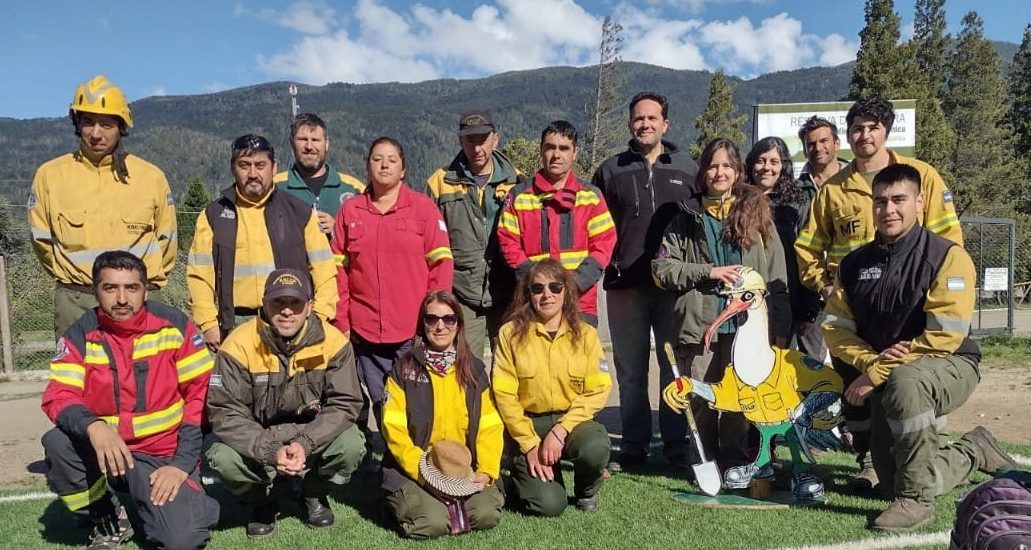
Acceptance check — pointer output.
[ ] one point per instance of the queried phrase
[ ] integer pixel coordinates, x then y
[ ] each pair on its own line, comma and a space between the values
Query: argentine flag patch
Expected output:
956, 284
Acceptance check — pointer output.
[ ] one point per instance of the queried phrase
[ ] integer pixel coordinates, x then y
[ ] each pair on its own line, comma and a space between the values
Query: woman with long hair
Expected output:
730, 226
439, 412
550, 380
769, 168
391, 248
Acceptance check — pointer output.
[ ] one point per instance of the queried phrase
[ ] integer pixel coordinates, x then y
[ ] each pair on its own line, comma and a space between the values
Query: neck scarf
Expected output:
440, 361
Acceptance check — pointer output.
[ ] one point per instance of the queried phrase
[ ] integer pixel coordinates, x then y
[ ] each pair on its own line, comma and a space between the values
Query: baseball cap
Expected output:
287, 282
475, 123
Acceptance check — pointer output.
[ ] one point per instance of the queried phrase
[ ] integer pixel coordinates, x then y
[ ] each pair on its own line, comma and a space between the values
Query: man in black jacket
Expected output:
642, 187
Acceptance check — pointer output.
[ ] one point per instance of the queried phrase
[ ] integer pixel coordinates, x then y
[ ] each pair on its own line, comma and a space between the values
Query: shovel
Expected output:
706, 474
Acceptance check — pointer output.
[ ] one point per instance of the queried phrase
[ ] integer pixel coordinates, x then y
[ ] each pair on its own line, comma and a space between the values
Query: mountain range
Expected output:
189, 136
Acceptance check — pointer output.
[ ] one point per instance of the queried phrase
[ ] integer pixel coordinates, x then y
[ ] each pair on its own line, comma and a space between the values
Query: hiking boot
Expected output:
992, 457
904, 514
587, 504
110, 531
319, 513
262, 522
866, 480
626, 462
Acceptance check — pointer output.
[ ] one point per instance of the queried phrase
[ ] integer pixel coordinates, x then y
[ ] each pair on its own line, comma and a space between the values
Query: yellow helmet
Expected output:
98, 95
748, 279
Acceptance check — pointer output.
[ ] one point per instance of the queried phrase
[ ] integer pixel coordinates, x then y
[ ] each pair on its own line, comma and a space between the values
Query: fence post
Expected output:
5, 319
1011, 322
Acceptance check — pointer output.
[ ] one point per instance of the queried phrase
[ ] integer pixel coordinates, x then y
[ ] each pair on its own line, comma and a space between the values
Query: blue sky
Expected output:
180, 47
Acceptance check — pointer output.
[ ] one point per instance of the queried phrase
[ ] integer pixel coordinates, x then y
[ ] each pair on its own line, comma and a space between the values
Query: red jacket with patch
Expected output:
146, 376
580, 233
387, 262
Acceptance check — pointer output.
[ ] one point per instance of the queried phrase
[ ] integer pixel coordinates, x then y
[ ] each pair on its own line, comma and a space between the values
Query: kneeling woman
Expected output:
442, 430
550, 380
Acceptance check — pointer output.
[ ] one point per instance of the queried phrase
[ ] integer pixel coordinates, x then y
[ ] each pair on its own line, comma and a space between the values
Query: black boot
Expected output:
319, 513
262, 522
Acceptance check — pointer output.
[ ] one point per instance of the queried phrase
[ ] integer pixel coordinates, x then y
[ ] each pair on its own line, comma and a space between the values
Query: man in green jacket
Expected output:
470, 192
310, 178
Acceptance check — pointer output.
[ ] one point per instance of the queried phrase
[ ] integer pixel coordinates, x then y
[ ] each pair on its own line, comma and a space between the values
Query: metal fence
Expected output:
30, 293
1003, 301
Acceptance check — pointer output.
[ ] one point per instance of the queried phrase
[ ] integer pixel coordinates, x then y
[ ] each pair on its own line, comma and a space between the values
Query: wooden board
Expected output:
778, 500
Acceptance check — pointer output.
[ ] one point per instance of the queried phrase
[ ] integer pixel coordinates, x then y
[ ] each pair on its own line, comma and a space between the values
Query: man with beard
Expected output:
246, 233
310, 178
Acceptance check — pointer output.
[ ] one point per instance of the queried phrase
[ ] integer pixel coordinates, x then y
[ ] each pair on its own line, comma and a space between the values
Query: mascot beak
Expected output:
734, 306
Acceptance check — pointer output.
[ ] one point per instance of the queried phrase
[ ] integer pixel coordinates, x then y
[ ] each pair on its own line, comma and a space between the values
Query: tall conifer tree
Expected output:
718, 120
983, 167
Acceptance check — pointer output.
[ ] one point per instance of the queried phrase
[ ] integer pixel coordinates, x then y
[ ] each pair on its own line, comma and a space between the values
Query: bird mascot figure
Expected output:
783, 392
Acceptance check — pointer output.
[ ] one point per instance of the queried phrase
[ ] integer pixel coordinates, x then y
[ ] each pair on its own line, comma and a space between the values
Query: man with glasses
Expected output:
310, 178
283, 400
555, 215
470, 193
246, 233
97, 199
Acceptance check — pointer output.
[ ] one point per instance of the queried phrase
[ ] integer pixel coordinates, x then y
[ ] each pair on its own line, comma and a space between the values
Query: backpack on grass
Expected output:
995, 515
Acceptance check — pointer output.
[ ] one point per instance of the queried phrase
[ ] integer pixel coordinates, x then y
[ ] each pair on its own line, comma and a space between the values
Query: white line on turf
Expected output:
879, 543
1021, 459
39, 495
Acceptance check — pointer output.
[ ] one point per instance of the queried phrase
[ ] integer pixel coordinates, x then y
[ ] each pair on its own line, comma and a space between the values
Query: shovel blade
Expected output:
708, 477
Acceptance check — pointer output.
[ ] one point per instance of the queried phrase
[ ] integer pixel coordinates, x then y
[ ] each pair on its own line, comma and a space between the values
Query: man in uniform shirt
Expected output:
97, 199
310, 178
900, 314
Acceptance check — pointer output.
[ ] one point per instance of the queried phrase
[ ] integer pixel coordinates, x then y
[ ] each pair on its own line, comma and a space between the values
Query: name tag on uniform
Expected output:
956, 284
870, 274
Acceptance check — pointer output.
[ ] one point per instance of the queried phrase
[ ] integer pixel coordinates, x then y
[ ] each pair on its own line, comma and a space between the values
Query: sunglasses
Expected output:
555, 287
431, 320
251, 142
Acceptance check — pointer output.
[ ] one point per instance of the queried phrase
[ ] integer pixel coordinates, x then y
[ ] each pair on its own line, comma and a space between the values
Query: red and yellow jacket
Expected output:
387, 262
534, 226
147, 377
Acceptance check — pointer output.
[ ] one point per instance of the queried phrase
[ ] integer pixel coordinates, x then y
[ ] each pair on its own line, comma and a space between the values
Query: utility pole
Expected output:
293, 100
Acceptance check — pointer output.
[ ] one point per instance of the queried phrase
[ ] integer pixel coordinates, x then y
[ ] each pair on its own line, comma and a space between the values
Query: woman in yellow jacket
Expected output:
443, 432
550, 380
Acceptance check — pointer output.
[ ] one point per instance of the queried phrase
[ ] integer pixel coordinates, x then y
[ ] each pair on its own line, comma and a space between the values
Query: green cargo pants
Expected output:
70, 304
904, 442
587, 447
421, 515
251, 480
481, 328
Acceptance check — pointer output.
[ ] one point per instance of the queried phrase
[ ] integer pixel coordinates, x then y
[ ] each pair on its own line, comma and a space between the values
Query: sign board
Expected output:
784, 119
996, 278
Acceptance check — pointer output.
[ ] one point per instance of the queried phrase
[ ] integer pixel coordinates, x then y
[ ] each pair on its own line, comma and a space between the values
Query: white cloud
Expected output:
305, 17
837, 50
378, 43
906, 32
156, 91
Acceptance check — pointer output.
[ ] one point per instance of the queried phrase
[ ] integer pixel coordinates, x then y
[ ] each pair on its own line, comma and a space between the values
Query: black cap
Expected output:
475, 123
287, 282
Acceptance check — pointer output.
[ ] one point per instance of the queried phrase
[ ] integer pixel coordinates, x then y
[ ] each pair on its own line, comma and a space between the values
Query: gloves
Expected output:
677, 392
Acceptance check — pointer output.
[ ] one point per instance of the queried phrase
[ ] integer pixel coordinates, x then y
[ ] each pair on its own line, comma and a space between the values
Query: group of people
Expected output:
319, 302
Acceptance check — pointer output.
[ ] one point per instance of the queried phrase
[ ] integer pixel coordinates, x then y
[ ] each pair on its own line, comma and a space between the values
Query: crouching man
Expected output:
282, 401
126, 392
900, 314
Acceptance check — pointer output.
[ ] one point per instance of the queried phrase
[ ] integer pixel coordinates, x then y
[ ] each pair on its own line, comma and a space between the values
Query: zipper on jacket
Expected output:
649, 186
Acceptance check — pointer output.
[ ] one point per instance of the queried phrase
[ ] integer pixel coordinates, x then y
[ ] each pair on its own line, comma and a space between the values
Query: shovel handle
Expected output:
687, 411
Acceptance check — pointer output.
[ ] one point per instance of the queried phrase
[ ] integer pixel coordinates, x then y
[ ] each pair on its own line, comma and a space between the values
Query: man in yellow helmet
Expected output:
97, 199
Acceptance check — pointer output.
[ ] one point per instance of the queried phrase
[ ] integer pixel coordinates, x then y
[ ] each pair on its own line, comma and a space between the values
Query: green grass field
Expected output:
637, 511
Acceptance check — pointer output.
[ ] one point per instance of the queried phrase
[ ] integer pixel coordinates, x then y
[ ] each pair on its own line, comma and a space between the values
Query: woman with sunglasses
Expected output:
729, 226
550, 380
439, 391
391, 248
770, 169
